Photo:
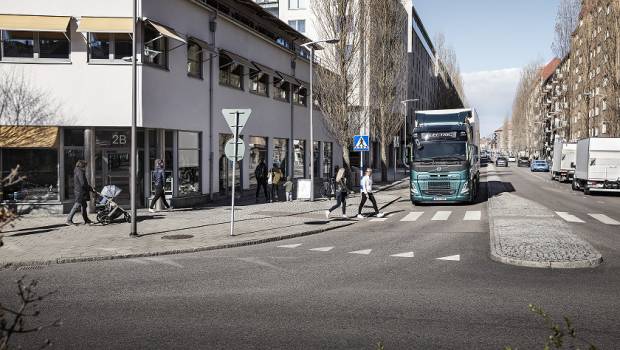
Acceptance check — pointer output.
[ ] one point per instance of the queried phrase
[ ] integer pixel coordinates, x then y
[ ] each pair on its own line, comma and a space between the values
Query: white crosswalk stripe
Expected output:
289, 246
568, 217
472, 215
412, 216
451, 258
378, 219
605, 219
322, 249
441, 215
362, 252
403, 255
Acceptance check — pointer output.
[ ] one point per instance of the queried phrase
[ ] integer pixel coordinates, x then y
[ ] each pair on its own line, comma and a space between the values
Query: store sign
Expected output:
112, 138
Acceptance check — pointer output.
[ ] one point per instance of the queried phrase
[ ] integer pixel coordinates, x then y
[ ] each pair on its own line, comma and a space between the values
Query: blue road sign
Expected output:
360, 143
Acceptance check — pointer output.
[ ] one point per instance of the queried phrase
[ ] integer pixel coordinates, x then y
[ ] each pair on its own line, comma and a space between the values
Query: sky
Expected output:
493, 40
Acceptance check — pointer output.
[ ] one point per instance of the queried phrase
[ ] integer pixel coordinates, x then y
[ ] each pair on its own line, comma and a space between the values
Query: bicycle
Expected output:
328, 190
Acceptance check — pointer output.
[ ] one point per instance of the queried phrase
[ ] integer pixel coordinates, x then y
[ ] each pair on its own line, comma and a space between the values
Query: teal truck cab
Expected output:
445, 158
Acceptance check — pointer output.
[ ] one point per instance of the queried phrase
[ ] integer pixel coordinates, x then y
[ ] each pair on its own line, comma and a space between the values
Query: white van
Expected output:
598, 165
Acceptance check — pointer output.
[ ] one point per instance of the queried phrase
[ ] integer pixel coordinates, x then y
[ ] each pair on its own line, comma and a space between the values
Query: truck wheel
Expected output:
586, 190
573, 185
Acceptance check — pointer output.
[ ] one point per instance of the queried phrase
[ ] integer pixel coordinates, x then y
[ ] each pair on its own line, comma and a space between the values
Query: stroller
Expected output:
107, 208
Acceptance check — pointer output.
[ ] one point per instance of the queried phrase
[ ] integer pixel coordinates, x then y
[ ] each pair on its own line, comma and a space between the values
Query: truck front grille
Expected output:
439, 187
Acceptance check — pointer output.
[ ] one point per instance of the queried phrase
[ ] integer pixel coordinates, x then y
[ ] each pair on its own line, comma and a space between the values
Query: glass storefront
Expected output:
258, 152
327, 159
279, 156
299, 152
316, 165
189, 163
40, 168
225, 167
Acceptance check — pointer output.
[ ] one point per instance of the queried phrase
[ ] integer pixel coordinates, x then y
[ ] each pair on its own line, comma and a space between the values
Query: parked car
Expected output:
524, 162
484, 160
501, 161
539, 165
512, 159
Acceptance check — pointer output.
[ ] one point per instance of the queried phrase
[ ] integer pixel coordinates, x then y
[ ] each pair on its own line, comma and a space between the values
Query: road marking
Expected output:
362, 252
322, 249
441, 215
451, 258
403, 255
412, 216
472, 215
289, 246
378, 219
605, 219
568, 217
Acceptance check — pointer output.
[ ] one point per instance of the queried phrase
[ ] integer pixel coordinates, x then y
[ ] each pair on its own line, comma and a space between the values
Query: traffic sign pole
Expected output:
232, 204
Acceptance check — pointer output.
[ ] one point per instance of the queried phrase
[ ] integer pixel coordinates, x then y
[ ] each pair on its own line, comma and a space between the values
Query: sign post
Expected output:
396, 146
235, 149
361, 144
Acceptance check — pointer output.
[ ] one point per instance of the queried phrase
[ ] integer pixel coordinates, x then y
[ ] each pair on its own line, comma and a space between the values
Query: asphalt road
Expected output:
341, 289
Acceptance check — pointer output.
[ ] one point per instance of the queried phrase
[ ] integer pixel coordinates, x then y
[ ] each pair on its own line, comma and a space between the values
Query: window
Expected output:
296, 4
258, 152
194, 60
327, 159
259, 82
155, 48
189, 162
25, 44
109, 46
39, 165
231, 73
280, 152
299, 95
280, 89
299, 153
298, 24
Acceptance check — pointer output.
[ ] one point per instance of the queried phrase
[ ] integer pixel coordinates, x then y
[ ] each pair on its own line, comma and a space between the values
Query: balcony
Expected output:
268, 3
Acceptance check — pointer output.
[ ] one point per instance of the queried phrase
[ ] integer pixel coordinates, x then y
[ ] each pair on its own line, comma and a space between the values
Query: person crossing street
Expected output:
366, 189
341, 194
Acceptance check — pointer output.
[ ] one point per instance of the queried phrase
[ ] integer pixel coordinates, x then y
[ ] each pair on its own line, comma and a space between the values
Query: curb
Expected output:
58, 261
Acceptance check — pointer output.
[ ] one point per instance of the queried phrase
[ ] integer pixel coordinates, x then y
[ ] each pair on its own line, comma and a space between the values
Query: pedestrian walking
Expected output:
261, 173
288, 188
81, 192
341, 194
366, 188
275, 175
159, 178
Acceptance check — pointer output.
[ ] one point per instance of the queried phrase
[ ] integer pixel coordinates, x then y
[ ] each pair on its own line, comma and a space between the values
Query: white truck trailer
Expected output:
564, 156
598, 165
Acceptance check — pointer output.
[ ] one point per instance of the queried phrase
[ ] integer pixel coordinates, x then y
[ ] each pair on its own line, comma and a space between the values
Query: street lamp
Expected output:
404, 102
134, 142
311, 46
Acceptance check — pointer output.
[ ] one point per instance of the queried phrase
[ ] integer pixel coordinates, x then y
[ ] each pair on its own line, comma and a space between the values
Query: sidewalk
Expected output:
46, 240
525, 233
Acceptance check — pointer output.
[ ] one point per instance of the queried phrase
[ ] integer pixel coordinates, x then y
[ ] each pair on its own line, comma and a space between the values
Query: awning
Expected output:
303, 84
105, 25
205, 45
264, 69
35, 23
288, 78
166, 31
236, 58
12, 136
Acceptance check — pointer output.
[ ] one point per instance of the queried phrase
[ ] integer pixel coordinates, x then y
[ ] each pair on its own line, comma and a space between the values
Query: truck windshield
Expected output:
440, 150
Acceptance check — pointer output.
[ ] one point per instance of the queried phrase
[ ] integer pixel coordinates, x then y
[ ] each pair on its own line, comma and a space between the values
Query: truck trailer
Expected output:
597, 165
445, 159
563, 166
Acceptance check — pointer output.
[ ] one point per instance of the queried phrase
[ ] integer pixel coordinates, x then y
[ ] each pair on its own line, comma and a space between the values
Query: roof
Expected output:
550, 68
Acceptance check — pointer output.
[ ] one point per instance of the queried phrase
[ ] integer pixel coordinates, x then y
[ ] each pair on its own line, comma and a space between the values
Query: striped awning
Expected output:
12, 136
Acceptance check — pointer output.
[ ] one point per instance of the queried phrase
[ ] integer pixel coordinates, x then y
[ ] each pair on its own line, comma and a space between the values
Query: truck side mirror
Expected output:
572, 164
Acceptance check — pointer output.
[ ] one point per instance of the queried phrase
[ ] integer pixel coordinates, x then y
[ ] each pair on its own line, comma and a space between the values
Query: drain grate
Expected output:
177, 237
30, 267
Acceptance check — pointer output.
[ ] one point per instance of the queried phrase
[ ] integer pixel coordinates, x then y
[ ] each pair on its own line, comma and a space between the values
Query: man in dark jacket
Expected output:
159, 177
81, 191
261, 174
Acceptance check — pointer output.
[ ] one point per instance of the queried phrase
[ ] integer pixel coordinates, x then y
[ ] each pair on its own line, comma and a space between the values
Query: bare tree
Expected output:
387, 45
447, 57
522, 127
565, 23
608, 30
23, 104
339, 77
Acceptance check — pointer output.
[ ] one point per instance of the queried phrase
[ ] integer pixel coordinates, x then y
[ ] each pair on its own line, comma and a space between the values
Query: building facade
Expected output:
195, 58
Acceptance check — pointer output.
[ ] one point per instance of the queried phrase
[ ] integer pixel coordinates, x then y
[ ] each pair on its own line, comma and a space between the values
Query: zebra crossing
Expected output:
408, 254
477, 215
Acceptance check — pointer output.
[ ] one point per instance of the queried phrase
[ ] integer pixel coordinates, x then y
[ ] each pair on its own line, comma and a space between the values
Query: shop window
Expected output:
327, 159
259, 82
299, 95
40, 168
225, 167
189, 163
109, 46
299, 152
155, 48
194, 60
281, 89
28, 44
280, 155
258, 152
231, 73
316, 165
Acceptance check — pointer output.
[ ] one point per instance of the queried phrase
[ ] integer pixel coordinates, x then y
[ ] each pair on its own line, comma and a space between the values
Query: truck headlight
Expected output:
414, 188
465, 188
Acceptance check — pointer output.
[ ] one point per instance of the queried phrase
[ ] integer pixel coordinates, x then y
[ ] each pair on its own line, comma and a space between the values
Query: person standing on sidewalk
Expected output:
159, 177
341, 194
81, 191
261, 174
276, 177
366, 188
288, 188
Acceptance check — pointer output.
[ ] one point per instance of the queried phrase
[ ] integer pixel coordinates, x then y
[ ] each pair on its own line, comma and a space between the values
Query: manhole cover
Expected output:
177, 237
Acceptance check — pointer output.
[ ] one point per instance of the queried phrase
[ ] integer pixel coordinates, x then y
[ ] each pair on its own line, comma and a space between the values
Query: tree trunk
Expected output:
346, 159
385, 147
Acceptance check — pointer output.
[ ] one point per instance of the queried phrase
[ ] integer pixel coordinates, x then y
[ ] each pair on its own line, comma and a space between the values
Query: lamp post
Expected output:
311, 107
133, 161
404, 102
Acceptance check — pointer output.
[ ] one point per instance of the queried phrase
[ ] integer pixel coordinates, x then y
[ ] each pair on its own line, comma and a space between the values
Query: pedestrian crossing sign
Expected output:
360, 143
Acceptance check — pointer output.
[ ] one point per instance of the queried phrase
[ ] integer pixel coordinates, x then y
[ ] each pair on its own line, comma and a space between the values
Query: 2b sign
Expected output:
119, 139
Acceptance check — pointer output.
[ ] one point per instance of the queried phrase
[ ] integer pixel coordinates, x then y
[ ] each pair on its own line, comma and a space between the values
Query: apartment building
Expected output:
549, 104
595, 67
557, 96
195, 57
